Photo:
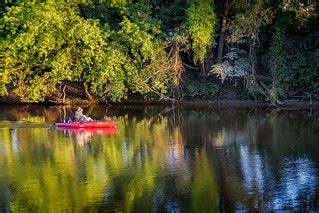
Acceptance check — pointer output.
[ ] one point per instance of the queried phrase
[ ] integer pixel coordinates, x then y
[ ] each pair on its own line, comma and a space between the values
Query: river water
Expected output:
159, 159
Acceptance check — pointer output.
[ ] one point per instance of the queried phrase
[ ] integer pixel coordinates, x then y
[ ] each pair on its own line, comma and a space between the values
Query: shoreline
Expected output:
223, 103
289, 104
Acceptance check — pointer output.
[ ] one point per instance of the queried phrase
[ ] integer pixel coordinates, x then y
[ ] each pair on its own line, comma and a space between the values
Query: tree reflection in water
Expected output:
296, 185
193, 159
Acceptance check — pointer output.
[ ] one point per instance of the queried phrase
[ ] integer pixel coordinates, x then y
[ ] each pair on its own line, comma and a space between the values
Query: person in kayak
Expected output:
79, 117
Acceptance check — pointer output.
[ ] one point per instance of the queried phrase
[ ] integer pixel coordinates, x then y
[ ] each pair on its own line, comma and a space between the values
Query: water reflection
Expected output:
293, 190
159, 160
83, 136
298, 185
254, 169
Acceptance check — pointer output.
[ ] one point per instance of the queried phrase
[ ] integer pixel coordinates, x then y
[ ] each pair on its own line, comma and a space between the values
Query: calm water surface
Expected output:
159, 159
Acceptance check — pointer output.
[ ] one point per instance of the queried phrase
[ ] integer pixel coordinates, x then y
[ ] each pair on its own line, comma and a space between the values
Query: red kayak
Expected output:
91, 124
95, 131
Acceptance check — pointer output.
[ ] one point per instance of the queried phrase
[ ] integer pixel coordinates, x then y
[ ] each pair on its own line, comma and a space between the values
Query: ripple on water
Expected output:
298, 184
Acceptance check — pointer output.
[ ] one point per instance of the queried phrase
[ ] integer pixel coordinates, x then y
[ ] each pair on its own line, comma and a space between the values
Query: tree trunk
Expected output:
63, 100
221, 39
86, 90
253, 58
202, 68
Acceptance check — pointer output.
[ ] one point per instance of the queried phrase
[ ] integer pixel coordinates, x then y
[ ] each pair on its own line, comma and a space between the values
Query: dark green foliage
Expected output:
103, 13
194, 87
172, 14
294, 59
249, 17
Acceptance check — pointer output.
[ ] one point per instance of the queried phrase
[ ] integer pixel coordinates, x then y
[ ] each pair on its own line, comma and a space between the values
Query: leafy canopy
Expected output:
201, 21
46, 43
250, 16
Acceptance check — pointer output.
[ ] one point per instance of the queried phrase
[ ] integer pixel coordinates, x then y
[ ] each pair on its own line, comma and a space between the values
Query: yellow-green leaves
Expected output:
136, 56
47, 43
201, 21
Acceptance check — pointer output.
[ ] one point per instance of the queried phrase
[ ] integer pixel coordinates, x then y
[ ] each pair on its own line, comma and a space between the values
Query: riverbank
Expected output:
289, 104
224, 103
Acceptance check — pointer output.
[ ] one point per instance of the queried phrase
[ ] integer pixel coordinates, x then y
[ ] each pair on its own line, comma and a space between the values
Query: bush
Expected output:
293, 64
200, 87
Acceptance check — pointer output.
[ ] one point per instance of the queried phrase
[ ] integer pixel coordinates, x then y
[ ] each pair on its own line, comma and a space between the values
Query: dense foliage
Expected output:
201, 22
47, 43
294, 57
112, 49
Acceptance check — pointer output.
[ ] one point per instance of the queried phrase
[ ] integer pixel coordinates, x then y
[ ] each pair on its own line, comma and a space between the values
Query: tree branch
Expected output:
191, 67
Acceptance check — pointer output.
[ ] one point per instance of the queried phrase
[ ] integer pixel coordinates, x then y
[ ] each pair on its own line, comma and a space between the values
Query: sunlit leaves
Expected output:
47, 43
201, 21
136, 56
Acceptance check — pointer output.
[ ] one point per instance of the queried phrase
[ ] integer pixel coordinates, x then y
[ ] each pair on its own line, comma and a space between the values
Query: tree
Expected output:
201, 21
293, 52
225, 7
46, 43
110, 61
249, 17
137, 56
